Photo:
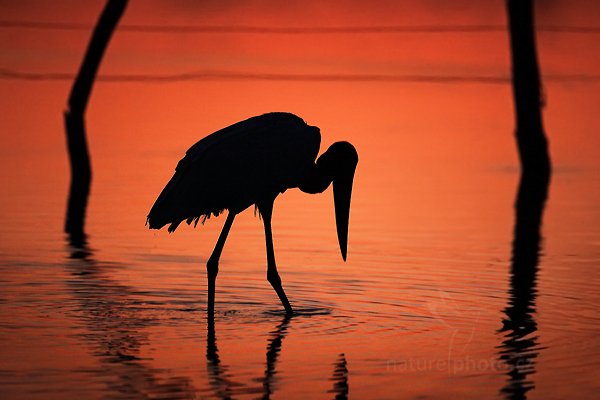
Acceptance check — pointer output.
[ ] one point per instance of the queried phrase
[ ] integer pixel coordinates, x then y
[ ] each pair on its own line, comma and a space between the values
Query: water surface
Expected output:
431, 302
418, 310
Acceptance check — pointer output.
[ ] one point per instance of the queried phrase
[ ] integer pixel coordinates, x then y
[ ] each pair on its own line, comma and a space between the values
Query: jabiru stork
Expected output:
251, 163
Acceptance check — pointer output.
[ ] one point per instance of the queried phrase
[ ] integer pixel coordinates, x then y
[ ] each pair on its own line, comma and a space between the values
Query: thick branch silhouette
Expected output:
520, 347
531, 139
81, 171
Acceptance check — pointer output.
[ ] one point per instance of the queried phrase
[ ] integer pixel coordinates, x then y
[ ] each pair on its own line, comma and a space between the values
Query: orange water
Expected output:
417, 309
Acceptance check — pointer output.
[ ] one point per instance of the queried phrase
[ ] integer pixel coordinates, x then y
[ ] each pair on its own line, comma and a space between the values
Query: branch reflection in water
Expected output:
520, 344
115, 329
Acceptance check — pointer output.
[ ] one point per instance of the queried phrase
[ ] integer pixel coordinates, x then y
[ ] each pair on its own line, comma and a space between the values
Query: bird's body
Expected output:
252, 162
236, 167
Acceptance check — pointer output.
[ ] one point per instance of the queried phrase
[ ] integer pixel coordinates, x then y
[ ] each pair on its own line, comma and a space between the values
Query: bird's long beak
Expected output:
342, 193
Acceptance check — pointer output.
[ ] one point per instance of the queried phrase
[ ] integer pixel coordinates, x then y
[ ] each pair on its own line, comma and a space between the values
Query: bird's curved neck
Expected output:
316, 180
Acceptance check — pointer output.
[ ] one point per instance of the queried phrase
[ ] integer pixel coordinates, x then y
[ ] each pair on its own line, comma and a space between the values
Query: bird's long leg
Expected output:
266, 209
212, 266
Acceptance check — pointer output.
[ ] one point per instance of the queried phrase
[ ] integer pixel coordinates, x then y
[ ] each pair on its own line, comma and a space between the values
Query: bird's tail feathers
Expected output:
174, 206
164, 210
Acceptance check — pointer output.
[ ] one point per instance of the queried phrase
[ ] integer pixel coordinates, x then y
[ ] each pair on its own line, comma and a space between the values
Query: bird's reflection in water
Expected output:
225, 387
220, 378
520, 343
115, 329
273, 350
218, 374
340, 379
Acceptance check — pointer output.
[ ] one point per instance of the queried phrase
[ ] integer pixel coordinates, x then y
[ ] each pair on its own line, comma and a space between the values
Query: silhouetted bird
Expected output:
252, 162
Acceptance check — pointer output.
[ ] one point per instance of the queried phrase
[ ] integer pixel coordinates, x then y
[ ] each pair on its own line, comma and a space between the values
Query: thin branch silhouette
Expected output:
74, 115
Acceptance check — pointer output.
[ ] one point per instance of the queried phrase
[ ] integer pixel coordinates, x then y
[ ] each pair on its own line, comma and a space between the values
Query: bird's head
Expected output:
336, 165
